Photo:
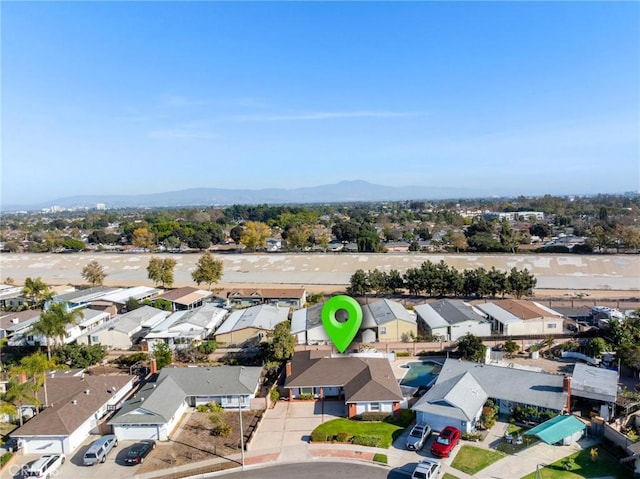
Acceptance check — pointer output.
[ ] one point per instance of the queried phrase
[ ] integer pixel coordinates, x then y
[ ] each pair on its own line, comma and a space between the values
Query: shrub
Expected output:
131, 359
343, 437
5, 458
367, 440
202, 408
403, 354
274, 395
221, 430
471, 436
319, 436
306, 396
381, 458
208, 347
374, 416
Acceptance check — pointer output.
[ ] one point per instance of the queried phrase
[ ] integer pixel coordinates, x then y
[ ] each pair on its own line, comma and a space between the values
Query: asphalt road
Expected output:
318, 470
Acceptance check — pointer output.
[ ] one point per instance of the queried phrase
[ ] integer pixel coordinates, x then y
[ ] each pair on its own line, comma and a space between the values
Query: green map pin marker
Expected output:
341, 333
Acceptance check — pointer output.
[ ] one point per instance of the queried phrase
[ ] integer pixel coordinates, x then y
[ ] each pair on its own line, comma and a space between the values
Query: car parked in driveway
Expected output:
445, 442
99, 449
418, 436
427, 469
137, 452
44, 467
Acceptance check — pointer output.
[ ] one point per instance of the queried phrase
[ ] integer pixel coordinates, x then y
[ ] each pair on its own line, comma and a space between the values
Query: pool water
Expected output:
420, 373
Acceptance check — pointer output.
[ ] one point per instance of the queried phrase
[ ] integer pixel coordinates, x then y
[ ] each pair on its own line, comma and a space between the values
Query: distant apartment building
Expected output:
515, 215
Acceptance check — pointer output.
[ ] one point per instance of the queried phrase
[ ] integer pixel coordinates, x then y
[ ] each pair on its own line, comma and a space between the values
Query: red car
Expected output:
445, 442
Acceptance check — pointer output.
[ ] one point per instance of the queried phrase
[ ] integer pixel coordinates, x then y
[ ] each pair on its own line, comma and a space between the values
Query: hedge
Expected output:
365, 440
374, 416
6, 457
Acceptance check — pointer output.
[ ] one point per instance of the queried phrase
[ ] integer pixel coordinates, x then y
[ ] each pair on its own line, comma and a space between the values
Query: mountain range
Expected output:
342, 192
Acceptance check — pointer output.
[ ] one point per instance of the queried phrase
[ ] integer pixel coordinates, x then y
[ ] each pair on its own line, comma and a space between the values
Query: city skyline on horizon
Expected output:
142, 98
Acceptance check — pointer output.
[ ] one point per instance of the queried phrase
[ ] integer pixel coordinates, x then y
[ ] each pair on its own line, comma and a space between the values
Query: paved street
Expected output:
318, 470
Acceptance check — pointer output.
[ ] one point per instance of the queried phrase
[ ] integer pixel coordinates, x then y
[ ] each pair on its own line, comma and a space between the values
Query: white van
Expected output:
45, 467
99, 449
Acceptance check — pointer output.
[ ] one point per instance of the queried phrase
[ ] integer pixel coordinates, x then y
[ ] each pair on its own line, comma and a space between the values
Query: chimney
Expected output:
287, 369
153, 366
566, 386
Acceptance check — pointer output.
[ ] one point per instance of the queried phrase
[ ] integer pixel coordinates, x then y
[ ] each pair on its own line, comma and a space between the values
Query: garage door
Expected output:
135, 432
43, 445
437, 423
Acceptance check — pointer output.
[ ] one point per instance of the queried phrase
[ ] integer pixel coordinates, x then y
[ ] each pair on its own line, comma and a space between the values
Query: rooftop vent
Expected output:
86, 391
74, 402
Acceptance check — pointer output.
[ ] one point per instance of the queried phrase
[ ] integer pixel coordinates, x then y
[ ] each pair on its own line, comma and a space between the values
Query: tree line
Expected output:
439, 279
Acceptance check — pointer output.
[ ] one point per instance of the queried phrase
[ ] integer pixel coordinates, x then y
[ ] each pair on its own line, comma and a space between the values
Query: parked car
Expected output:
44, 467
418, 436
137, 452
427, 469
445, 442
99, 449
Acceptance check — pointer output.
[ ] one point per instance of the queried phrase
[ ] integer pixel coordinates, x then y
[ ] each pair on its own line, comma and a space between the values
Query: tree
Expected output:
345, 231
510, 347
36, 292
520, 283
508, 237
299, 237
143, 238
283, 343
541, 230
358, 283
199, 240
162, 354
458, 241
37, 365
597, 346
160, 270
255, 235
132, 304
471, 348
236, 234
208, 270
53, 323
20, 393
94, 273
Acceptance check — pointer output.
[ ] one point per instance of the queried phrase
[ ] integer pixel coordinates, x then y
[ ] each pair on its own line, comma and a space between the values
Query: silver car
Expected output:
418, 436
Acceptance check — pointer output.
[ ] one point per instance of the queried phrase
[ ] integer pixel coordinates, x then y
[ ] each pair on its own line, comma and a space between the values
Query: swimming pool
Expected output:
420, 373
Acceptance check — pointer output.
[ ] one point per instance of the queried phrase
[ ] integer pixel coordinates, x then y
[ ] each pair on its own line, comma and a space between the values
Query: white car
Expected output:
427, 469
45, 467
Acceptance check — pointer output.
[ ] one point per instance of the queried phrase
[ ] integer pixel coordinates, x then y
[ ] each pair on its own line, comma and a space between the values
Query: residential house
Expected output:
125, 330
186, 298
516, 317
285, 297
364, 384
462, 388
183, 328
77, 407
251, 324
451, 319
156, 409
81, 298
14, 325
387, 320
120, 297
11, 296
307, 327
597, 387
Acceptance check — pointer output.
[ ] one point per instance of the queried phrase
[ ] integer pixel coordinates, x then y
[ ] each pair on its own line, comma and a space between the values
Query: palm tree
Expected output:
20, 393
36, 366
53, 323
36, 291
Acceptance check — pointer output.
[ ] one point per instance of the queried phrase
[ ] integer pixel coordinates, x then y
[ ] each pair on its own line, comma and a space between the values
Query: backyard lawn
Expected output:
581, 465
473, 459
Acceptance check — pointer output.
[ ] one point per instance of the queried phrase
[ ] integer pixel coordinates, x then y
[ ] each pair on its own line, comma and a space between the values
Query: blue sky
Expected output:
507, 97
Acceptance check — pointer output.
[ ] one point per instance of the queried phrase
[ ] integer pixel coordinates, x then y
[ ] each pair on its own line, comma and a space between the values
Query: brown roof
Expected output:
363, 379
522, 309
186, 295
62, 417
5, 321
266, 293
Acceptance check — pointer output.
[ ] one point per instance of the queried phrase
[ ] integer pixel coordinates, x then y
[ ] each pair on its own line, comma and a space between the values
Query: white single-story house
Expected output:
307, 327
451, 319
364, 384
121, 332
77, 407
13, 326
516, 317
186, 298
283, 297
462, 388
155, 410
186, 327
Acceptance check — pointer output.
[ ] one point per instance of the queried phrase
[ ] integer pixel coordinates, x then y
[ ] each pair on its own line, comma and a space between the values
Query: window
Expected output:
383, 330
306, 390
551, 325
95, 339
374, 406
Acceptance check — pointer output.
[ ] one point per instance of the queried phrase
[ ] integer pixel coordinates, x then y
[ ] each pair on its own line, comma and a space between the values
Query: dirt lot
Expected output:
193, 441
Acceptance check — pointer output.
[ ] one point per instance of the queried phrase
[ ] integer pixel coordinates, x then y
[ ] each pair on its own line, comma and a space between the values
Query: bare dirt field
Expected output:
193, 441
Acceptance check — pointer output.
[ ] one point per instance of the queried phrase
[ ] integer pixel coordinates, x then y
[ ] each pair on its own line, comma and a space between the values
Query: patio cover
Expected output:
556, 429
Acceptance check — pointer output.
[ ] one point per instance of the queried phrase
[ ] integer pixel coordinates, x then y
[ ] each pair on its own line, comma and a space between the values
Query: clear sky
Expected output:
510, 97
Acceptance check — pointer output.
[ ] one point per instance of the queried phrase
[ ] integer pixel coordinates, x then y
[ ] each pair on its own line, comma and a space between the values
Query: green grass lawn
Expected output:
385, 431
582, 466
473, 459
449, 476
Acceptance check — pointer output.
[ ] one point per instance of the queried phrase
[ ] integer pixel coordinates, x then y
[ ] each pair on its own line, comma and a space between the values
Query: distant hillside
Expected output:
345, 191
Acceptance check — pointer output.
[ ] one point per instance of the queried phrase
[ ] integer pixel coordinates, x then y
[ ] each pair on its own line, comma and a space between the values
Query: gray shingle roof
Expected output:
263, 317
463, 393
384, 311
594, 383
306, 318
154, 403
452, 311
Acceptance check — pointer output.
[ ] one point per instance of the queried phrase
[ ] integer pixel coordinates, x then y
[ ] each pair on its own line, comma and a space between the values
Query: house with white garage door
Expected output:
77, 407
156, 409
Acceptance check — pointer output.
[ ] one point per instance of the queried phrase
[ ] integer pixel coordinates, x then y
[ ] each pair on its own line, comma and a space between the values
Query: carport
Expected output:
565, 429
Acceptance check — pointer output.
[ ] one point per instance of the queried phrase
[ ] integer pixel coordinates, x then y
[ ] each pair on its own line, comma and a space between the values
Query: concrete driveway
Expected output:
289, 424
